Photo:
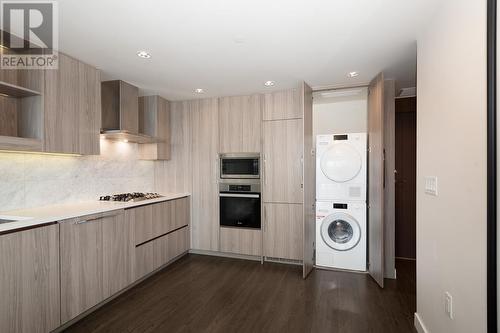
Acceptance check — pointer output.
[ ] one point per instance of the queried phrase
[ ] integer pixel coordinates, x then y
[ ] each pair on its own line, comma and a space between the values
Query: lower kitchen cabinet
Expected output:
29, 280
159, 251
283, 231
96, 260
241, 241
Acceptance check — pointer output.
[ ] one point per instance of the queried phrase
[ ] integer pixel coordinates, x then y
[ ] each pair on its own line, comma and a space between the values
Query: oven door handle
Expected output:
236, 195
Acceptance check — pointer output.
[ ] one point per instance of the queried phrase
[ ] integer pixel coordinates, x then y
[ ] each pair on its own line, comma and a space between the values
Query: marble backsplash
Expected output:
31, 180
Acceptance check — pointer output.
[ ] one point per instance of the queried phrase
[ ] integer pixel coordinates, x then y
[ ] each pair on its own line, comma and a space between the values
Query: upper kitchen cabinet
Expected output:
281, 105
240, 124
21, 102
154, 120
72, 110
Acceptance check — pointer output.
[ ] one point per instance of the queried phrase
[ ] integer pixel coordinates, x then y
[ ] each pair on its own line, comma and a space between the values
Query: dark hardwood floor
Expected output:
212, 294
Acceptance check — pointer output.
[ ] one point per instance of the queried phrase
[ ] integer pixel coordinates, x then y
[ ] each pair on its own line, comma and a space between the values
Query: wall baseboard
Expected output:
419, 324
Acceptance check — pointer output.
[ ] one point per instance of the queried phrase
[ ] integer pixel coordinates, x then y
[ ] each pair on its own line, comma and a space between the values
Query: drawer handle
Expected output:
96, 218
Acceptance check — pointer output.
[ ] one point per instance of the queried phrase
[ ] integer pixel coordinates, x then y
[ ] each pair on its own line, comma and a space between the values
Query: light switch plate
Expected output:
431, 185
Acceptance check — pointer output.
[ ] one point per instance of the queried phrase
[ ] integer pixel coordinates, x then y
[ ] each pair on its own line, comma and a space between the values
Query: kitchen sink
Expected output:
10, 219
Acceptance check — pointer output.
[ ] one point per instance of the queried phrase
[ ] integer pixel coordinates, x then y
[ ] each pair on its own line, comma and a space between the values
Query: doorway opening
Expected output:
405, 178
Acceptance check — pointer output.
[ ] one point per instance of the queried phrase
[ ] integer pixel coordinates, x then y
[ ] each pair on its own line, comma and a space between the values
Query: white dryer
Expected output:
341, 167
341, 235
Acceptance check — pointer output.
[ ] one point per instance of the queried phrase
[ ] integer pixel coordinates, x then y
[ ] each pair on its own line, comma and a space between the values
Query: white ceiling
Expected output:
230, 47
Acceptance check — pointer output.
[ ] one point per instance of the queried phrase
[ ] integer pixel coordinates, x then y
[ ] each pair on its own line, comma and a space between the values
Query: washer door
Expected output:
341, 163
340, 231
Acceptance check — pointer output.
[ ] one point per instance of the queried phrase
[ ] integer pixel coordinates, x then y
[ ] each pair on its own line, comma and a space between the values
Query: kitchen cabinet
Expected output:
154, 120
72, 108
170, 246
240, 124
96, 260
241, 241
205, 162
154, 220
283, 231
29, 280
282, 154
281, 105
118, 253
142, 218
155, 228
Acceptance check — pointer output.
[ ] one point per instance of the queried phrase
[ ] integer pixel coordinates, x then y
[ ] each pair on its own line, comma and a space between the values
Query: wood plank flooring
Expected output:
212, 294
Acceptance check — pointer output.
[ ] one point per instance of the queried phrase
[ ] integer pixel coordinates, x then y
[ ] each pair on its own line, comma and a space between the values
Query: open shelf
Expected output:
12, 90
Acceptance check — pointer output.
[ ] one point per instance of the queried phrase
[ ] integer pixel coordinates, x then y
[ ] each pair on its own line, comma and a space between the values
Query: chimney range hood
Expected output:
120, 113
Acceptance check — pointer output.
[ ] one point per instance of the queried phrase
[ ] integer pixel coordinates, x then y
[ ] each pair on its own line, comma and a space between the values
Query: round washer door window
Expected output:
341, 163
340, 231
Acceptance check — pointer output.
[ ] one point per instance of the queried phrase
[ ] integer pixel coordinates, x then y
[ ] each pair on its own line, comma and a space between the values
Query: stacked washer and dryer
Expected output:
341, 201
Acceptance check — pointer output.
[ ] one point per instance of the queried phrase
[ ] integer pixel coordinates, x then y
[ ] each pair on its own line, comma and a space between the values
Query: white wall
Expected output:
451, 144
340, 114
30, 180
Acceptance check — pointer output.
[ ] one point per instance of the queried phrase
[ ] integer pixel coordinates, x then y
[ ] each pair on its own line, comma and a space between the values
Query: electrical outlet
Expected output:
448, 304
431, 185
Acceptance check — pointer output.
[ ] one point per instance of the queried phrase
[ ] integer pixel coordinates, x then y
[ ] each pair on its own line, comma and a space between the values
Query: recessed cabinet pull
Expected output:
96, 218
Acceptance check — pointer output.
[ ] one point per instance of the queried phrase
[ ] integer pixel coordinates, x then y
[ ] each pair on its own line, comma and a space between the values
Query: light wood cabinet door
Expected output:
282, 161
180, 213
281, 105
89, 111
61, 106
118, 253
241, 241
283, 231
240, 124
177, 243
29, 280
72, 108
144, 260
81, 265
205, 159
154, 120
143, 223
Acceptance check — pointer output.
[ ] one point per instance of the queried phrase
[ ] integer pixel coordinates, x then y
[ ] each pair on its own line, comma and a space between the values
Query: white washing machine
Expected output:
341, 234
341, 167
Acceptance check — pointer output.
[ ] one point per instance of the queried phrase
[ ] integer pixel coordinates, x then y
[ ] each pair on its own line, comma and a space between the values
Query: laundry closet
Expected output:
352, 133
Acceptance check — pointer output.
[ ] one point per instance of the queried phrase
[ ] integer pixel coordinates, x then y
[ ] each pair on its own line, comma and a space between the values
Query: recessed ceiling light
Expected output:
144, 54
269, 83
125, 140
353, 74
199, 91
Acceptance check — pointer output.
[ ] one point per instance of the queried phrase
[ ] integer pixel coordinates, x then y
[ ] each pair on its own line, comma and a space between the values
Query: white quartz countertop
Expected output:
53, 213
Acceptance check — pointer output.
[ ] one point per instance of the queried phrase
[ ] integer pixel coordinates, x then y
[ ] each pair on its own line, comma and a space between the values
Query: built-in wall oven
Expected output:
240, 166
240, 204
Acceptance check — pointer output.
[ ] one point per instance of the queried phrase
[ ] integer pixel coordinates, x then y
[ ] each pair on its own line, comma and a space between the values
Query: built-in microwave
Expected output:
240, 166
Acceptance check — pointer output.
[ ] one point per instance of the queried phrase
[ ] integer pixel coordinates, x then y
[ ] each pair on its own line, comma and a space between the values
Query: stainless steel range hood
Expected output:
120, 113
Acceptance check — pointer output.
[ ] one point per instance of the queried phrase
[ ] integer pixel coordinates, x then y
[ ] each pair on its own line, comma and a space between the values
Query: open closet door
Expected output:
376, 179
309, 181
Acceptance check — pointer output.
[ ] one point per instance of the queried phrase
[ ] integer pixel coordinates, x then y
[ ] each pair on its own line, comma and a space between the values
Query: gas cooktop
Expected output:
126, 197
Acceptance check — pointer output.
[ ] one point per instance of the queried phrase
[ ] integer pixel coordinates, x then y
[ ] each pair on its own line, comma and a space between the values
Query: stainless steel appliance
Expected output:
240, 166
126, 197
239, 204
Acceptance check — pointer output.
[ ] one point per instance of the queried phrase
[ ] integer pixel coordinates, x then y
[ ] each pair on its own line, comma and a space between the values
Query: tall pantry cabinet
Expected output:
288, 175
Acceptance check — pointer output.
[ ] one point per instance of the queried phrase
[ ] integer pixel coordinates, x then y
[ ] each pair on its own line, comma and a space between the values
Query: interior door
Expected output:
376, 179
309, 182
